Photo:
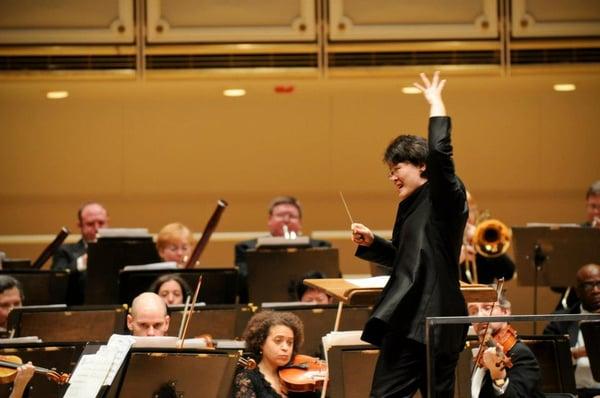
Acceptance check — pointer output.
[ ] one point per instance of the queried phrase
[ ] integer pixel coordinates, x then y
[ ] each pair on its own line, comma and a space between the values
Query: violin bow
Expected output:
189, 316
499, 286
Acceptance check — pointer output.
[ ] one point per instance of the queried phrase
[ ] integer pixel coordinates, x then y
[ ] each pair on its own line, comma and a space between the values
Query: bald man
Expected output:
148, 316
588, 292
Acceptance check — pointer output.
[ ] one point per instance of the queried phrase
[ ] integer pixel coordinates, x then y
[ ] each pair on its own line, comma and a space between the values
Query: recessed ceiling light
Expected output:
564, 87
57, 94
410, 90
234, 92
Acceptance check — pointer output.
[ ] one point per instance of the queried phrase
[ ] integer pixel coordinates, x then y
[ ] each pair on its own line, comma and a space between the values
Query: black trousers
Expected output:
401, 370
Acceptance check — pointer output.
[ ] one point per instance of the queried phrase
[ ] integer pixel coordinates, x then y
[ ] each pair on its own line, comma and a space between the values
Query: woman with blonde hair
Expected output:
175, 243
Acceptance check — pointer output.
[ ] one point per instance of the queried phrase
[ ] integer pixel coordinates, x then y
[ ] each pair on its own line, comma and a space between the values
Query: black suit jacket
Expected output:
561, 328
65, 259
524, 376
424, 254
66, 256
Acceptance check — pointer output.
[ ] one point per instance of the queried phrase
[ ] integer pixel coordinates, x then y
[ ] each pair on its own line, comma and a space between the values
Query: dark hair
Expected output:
301, 288
185, 288
285, 200
8, 282
593, 190
258, 327
407, 148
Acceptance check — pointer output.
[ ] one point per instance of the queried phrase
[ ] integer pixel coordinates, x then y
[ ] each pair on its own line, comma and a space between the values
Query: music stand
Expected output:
218, 284
186, 372
109, 255
351, 370
42, 287
271, 273
61, 356
551, 255
591, 337
219, 321
56, 324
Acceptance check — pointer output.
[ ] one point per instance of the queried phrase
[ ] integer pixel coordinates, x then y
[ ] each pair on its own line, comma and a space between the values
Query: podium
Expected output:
350, 293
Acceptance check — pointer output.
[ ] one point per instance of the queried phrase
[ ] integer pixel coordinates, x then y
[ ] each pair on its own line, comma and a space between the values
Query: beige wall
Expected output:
155, 152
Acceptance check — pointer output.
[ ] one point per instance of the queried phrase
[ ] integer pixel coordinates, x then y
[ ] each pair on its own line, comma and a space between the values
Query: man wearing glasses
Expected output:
588, 292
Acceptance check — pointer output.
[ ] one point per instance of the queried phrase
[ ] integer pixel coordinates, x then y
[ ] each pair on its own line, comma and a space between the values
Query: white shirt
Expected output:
583, 372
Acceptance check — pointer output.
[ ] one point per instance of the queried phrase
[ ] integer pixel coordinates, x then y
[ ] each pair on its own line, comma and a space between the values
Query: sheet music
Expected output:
119, 345
376, 282
89, 375
20, 340
349, 337
167, 342
152, 266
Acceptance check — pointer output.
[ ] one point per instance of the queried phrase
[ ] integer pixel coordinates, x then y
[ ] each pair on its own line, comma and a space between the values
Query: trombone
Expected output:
491, 239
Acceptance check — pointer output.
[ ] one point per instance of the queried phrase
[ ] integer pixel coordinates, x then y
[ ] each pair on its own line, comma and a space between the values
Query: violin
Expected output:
10, 363
503, 340
304, 373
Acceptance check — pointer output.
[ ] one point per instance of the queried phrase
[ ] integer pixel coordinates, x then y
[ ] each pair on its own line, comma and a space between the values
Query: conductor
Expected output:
423, 256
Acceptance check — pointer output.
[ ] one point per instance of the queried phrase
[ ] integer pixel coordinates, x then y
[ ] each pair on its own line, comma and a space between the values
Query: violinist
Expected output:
148, 316
175, 243
11, 296
273, 338
507, 367
24, 374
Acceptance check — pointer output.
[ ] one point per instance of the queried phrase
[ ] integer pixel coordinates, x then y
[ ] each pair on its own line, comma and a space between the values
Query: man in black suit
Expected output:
492, 378
423, 256
588, 292
73, 256
285, 219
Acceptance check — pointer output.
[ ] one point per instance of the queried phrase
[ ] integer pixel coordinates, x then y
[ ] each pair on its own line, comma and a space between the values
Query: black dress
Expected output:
252, 384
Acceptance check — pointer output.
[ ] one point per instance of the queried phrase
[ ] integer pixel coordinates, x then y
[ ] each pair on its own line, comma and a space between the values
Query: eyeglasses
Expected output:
589, 286
394, 171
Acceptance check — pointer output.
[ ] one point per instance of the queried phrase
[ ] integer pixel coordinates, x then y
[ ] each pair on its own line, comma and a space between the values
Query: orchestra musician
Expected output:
148, 316
172, 288
508, 368
175, 243
307, 294
11, 296
91, 216
423, 255
489, 269
285, 214
592, 204
273, 339
588, 291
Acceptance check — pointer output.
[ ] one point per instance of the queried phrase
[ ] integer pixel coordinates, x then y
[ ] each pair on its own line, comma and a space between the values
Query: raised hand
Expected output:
432, 91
